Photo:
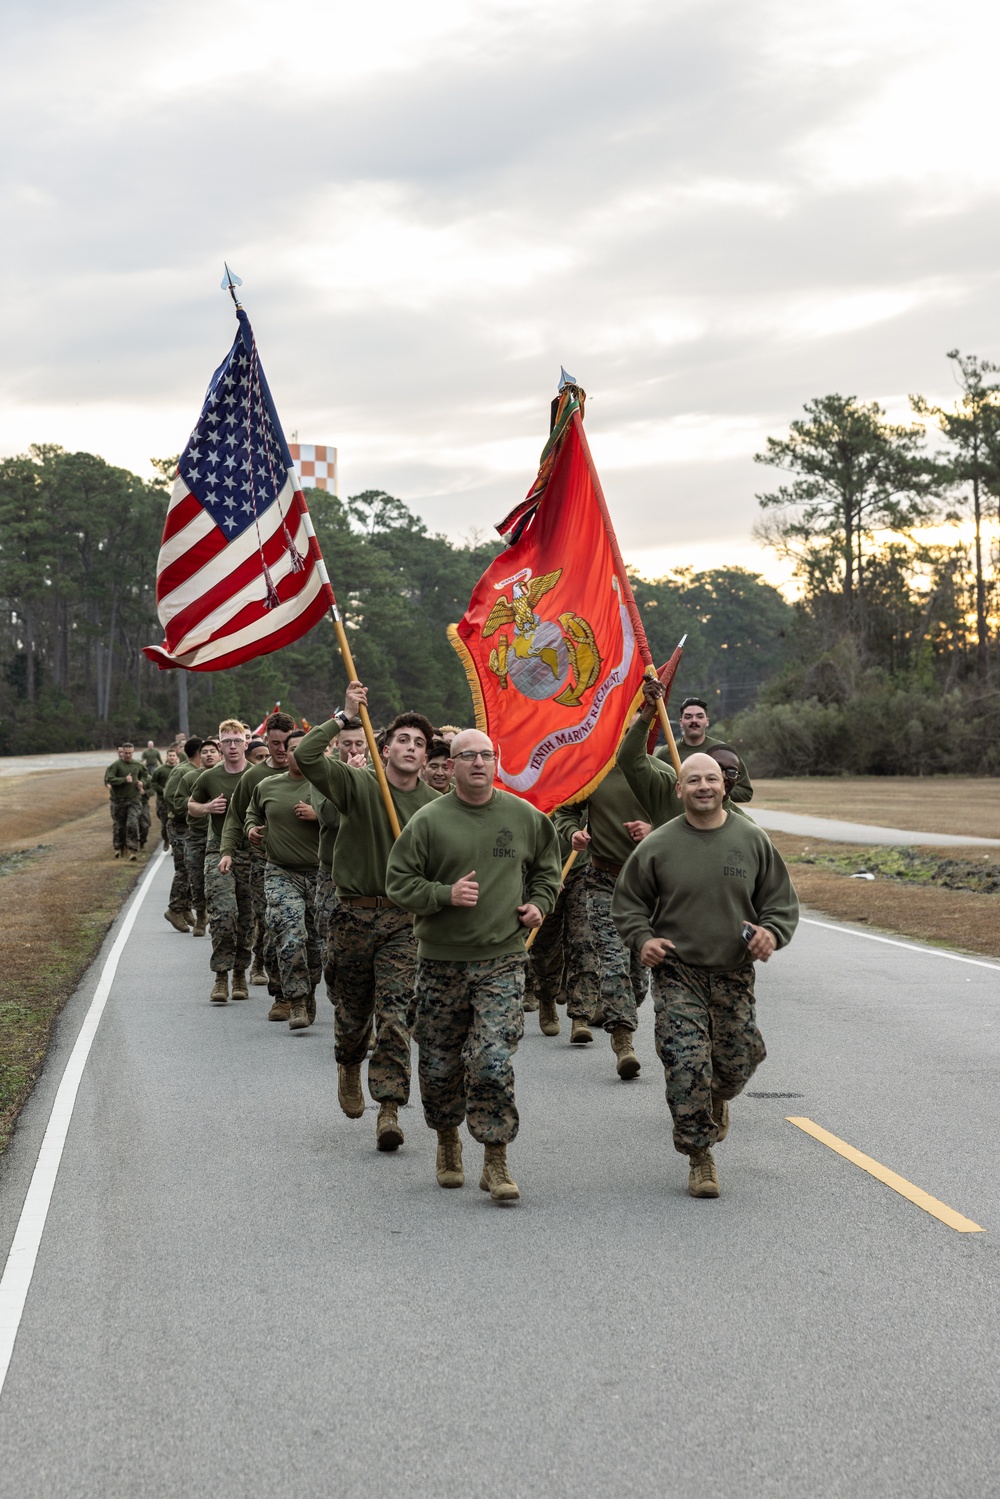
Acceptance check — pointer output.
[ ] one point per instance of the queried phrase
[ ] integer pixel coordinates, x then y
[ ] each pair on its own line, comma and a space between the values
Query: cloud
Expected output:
711, 212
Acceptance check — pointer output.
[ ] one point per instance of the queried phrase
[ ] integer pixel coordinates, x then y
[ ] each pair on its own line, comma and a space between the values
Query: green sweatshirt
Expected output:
514, 851
698, 886
654, 781
175, 792
288, 840
123, 790
233, 837
604, 813
741, 792
329, 825
206, 787
159, 778
365, 837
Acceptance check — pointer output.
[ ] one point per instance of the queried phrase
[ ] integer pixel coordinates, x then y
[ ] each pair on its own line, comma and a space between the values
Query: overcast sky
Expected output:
709, 212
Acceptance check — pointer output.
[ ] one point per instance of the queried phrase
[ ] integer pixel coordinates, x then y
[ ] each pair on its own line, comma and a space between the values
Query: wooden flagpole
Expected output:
565, 871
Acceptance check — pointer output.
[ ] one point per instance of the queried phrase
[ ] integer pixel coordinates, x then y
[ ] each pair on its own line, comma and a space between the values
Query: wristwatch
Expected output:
340, 717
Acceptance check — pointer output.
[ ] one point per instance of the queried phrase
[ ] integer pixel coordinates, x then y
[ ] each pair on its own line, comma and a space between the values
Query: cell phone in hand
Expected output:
748, 931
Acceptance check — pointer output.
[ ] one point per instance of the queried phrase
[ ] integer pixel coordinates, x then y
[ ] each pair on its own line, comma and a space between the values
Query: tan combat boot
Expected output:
280, 1010
621, 1044
298, 1018
581, 1032
220, 989
198, 930
496, 1179
449, 1159
257, 976
240, 990
720, 1113
548, 1017
704, 1179
176, 919
530, 1002
349, 1094
388, 1134
311, 1005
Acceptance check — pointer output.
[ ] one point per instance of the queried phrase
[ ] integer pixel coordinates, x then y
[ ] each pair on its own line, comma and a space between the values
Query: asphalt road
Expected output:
236, 1295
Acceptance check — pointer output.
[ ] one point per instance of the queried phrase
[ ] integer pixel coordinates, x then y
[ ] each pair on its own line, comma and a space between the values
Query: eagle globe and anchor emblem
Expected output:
540, 657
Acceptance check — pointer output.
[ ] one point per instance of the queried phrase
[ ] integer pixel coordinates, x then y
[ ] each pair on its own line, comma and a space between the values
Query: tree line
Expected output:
888, 660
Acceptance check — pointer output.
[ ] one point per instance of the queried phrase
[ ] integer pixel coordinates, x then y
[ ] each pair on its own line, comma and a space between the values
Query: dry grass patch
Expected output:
961, 919
60, 893
932, 804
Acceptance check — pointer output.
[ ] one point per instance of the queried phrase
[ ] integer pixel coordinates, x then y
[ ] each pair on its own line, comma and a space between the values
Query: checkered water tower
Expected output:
315, 464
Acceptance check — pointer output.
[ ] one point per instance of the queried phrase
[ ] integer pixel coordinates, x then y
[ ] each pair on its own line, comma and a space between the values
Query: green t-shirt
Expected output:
151, 758
514, 851
698, 886
365, 837
206, 787
288, 840
604, 813
741, 792
233, 836
116, 779
654, 781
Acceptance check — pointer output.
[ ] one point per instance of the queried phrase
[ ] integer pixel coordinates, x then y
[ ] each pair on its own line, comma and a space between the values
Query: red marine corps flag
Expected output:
552, 642
239, 572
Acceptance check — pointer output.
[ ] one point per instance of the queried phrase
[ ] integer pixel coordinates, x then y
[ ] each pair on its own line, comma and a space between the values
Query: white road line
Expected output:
928, 952
31, 1224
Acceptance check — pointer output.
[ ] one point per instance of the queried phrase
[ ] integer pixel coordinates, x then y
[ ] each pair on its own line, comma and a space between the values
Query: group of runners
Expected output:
284, 853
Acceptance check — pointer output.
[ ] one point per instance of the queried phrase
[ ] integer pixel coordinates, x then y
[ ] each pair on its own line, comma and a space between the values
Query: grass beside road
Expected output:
60, 891
963, 805
951, 898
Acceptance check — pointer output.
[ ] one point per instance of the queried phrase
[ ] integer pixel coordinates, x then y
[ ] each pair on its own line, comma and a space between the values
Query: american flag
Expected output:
239, 572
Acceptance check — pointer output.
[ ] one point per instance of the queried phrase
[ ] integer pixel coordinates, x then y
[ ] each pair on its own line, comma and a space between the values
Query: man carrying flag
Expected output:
374, 953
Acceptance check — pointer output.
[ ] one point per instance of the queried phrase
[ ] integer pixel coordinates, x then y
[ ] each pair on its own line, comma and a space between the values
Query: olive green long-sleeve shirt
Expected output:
654, 781
514, 851
604, 813
697, 886
365, 839
741, 792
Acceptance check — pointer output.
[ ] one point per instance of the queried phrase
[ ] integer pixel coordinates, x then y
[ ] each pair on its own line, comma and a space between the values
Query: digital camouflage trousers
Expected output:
375, 960
161, 812
326, 904
195, 849
145, 821
180, 890
470, 1018
708, 1042
125, 826
622, 978
291, 920
262, 937
562, 961
230, 914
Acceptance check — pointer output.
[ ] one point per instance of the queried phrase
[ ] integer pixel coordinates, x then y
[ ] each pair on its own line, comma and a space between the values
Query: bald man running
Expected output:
699, 901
